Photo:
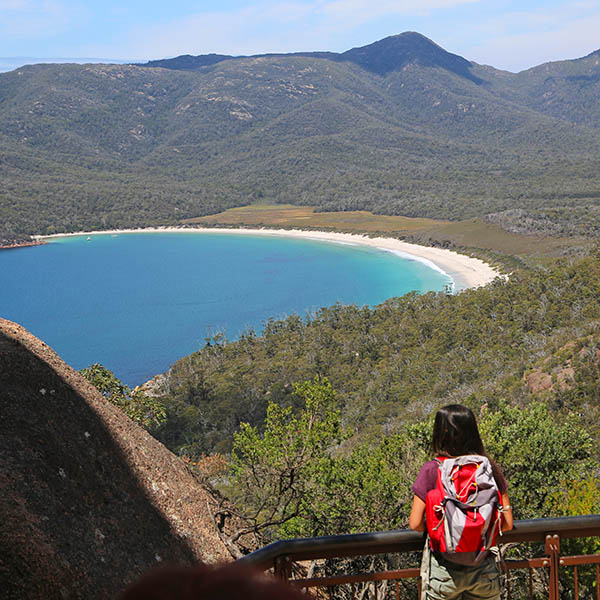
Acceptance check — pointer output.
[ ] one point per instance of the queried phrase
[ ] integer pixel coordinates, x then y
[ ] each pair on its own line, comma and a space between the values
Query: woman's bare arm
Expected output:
416, 520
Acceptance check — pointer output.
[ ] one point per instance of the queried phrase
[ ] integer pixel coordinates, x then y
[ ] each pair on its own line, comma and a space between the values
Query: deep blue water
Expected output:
138, 302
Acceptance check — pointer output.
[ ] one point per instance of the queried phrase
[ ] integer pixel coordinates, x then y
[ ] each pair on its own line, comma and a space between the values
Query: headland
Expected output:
10, 246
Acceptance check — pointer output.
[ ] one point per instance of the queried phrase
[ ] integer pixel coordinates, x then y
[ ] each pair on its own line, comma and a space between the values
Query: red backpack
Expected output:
463, 511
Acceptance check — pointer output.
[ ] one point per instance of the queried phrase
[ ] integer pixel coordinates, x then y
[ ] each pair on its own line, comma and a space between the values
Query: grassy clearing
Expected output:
474, 233
304, 216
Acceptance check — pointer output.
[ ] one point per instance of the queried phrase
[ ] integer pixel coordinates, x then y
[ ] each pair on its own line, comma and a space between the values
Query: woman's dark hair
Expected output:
455, 432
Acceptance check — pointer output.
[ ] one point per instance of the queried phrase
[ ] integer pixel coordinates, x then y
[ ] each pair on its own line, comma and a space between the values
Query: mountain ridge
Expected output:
399, 126
412, 39
377, 57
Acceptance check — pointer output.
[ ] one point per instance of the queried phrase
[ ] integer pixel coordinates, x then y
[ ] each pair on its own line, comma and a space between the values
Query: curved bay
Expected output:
138, 302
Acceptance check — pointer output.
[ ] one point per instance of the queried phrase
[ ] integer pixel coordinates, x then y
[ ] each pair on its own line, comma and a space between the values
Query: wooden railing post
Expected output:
283, 567
553, 553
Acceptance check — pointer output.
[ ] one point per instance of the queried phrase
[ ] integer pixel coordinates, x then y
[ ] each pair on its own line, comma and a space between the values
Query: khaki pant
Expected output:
443, 581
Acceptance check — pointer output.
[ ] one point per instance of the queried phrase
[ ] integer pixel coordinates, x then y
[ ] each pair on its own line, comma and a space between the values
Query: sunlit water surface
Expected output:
138, 302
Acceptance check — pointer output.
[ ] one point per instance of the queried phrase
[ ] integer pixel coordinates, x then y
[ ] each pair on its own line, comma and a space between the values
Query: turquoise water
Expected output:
138, 302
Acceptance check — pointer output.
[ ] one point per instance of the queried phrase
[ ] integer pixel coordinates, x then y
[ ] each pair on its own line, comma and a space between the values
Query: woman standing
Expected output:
461, 575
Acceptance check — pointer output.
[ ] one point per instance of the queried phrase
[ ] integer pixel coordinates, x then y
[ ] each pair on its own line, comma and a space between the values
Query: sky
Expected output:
507, 34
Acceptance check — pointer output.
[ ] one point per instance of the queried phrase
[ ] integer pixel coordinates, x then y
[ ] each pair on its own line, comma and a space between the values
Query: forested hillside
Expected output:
398, 127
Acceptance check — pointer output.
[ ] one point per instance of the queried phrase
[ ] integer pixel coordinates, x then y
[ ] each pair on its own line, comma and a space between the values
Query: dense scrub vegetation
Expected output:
579, 219
398, 361
305, 475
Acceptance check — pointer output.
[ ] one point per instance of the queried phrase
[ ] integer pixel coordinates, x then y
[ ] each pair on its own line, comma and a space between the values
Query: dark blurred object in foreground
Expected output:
203, 582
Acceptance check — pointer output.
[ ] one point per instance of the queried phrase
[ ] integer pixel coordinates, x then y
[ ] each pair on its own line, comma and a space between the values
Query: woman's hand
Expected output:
507, 515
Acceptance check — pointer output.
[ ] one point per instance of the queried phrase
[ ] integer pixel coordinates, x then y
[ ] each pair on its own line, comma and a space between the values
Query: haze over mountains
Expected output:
399, 126
9, 63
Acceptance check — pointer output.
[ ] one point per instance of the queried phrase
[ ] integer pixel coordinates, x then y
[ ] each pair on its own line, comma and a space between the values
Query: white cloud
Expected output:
254, 29
284, 12
362, 11
33, 18
269, 27
526, 39
6, 5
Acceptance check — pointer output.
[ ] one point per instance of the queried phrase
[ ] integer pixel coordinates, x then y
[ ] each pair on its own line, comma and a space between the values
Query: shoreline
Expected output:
465, 271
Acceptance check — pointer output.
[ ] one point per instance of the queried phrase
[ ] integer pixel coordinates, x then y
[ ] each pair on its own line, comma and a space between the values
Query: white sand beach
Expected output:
465, 271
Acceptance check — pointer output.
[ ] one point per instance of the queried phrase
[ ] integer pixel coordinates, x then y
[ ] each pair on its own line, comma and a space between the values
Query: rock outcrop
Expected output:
559, 371
89, 499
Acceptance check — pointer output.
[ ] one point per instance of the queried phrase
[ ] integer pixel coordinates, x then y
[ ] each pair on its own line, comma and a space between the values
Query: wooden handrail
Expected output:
404, 540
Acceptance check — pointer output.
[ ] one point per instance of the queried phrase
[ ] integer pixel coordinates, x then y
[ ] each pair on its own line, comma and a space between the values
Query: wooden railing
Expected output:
559, 575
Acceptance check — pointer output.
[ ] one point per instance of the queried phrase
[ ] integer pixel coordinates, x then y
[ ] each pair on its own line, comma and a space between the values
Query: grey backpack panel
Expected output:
484, 500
